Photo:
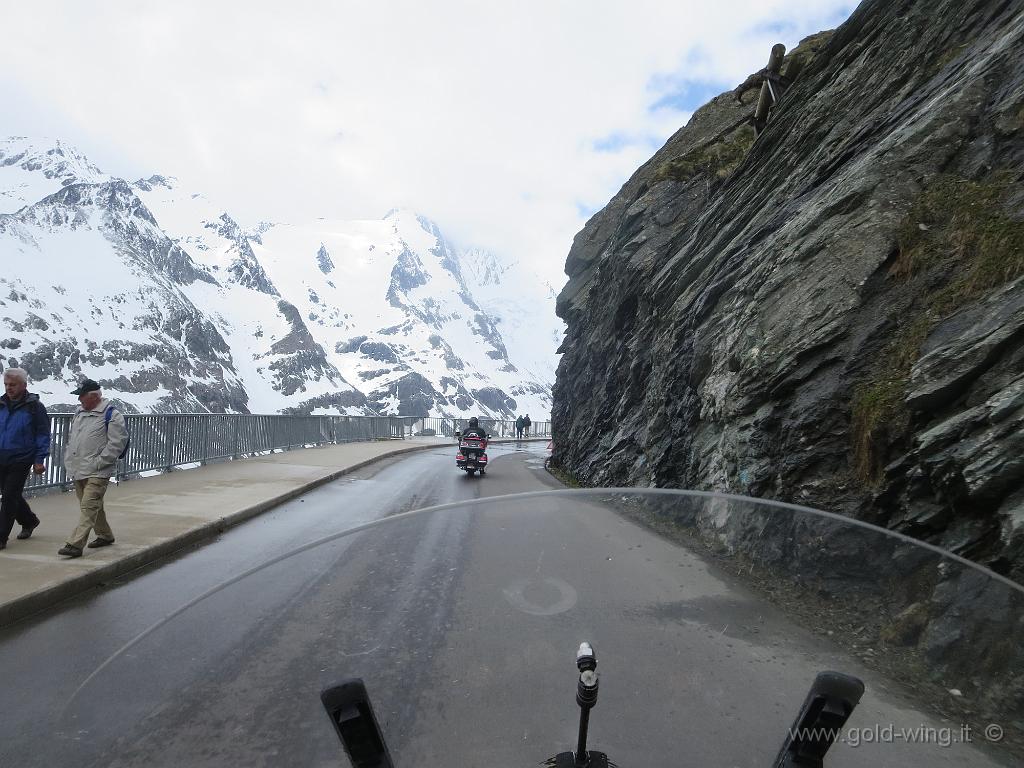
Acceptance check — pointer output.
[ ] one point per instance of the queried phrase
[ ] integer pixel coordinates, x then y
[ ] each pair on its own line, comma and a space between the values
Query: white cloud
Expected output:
504, 122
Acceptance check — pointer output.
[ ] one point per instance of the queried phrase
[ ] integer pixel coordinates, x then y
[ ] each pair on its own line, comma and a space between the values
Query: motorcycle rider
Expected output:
475, 430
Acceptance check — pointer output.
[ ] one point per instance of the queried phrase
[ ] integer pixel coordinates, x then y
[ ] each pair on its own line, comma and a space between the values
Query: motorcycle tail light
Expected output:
459, 457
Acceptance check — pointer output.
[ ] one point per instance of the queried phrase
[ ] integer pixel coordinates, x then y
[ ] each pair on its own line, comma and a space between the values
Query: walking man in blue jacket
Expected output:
24, 445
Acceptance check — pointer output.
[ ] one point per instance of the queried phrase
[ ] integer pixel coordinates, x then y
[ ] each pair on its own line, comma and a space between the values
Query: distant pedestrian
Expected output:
526, 425
519, 428
24, 445
98, 436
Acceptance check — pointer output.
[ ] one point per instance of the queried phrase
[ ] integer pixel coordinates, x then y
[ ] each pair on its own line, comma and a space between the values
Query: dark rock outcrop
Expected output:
413, 393
323, 260
829, 314
406, 275
297, 359
245, 268
352, 345
341, 400
375, 350
496, 400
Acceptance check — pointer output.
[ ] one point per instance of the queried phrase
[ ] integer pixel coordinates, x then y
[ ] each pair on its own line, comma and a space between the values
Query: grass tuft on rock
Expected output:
718, 159
962, 224
564, 476
878, 410
960, 233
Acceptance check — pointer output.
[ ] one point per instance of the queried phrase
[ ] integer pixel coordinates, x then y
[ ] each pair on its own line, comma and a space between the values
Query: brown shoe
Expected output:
98, 542
69, 550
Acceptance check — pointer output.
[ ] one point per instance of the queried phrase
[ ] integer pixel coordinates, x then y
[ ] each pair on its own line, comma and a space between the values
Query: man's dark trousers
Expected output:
13, 507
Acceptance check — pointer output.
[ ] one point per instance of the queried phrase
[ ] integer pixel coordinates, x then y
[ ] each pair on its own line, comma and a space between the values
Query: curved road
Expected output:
45, 658
463, 627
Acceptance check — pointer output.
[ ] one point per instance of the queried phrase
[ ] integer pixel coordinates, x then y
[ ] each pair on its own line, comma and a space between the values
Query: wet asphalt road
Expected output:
464, 629
45, 658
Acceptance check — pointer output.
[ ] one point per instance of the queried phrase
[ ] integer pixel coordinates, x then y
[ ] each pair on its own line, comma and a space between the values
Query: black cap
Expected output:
84, 386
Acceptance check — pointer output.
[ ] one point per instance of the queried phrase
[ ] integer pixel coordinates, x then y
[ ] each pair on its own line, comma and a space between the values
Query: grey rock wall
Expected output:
830, 314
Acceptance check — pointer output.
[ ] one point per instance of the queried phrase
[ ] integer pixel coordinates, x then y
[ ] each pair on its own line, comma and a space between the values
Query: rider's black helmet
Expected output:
473, 421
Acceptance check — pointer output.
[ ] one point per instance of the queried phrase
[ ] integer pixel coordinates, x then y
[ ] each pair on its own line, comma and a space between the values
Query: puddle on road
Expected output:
729, 616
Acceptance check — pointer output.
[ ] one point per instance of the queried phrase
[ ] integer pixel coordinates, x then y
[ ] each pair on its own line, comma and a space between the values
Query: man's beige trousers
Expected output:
90, 497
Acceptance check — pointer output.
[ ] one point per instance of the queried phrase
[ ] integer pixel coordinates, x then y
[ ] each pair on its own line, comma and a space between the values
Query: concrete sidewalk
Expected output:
153, 517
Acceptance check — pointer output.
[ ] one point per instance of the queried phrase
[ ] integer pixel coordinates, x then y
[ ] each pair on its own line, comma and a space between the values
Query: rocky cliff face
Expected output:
830, 313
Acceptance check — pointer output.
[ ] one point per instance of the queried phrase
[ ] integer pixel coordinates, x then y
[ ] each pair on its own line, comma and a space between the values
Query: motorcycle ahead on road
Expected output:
472, 455
712, 615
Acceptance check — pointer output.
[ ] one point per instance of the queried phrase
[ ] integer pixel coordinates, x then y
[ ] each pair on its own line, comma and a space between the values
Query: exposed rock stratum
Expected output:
830, 313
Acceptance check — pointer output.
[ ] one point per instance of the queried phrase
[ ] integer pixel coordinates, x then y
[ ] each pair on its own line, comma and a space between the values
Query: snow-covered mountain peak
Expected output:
485, 268
51, 157
31, 169
256, 232
207, 313
167, 182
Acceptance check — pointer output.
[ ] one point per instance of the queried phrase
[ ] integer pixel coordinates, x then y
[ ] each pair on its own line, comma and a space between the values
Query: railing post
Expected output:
169, 448
117, 461
238, 425
206, 439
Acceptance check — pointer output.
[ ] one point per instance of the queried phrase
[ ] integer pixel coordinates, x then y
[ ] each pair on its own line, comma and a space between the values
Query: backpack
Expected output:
107, 416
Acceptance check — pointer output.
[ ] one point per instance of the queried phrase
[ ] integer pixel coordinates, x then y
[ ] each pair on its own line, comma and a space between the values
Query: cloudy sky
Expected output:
508, 123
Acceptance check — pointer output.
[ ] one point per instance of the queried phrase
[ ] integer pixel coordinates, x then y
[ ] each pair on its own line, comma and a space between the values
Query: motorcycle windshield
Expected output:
709, 616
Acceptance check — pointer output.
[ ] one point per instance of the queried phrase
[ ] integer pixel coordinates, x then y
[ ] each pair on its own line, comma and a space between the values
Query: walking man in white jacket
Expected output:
98, 436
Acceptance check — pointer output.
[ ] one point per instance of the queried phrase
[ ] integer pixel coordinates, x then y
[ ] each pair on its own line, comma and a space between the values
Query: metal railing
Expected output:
161, 442
447, 427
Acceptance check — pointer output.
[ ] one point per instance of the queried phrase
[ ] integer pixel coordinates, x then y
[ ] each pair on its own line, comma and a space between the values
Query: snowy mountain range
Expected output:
174, 306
